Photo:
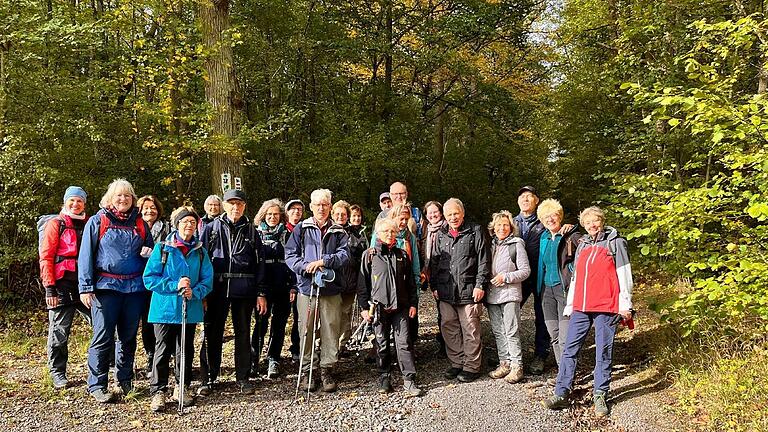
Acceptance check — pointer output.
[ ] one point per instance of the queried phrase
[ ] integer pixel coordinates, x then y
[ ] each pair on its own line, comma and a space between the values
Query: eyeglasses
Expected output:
189, 222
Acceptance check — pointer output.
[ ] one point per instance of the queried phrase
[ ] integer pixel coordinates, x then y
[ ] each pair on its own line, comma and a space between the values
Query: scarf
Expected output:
66, 212
275, 233
117, 213
184, 246
432, 230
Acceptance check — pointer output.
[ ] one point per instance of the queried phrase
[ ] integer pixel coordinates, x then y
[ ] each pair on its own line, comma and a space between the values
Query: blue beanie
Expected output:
75, 191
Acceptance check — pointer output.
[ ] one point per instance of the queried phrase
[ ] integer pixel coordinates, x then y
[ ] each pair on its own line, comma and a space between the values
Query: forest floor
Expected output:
641, 398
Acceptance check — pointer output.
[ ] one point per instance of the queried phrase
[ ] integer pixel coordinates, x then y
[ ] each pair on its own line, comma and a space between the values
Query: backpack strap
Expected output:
104, 224
141, 228
512, 250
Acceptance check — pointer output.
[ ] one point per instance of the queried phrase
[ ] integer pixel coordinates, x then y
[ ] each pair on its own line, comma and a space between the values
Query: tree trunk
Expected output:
221, 92
3, 51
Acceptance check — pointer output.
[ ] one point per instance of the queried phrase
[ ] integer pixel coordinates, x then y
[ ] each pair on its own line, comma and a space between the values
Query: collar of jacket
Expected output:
385, 249
357, 230
240, 222
507, 241
310, 223
606, 234
464, 228
132, 215
170, 243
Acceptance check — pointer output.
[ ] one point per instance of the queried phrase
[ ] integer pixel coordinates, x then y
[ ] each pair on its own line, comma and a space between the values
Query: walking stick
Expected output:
301, 355
314, 338
183, 355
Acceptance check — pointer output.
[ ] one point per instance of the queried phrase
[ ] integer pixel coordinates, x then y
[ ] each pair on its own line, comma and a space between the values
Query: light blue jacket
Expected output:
165, 307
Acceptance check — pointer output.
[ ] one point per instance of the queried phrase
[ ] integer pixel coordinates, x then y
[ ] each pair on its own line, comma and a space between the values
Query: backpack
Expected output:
106, 223
42, 221
164, 256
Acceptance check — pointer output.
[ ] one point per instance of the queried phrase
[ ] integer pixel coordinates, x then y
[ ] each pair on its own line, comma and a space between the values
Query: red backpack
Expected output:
106, 223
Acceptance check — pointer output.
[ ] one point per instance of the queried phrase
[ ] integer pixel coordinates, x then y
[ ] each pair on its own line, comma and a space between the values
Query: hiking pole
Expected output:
315, 323
183, 355
301, 356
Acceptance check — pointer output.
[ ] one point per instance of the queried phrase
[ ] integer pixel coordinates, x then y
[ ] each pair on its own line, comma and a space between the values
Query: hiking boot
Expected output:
411, 389
329, 384
188, 399
452, 373
205, 389
501, 371
59, 381
467, 377
537, 365
601, 406
102, 395
515, 375
273, 370
556, 402
245, 387
305, 385
158, 402
126, 387
385, 383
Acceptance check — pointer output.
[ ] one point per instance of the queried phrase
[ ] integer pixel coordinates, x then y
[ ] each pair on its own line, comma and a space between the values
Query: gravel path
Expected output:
639, 397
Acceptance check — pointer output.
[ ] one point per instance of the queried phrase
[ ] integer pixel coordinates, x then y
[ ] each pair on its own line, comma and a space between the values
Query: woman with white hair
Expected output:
213, 208
116, 242
600, 295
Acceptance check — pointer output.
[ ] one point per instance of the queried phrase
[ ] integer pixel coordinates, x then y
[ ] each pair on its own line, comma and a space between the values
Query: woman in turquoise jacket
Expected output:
178, 268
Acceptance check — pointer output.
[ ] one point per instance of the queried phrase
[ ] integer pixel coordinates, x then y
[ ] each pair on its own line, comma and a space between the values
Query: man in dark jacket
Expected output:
531, 229
238, 283
317, 244
459, 275
386, 282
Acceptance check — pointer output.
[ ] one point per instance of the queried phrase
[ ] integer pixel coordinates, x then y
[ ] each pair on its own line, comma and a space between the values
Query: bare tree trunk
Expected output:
221, 92
4, 47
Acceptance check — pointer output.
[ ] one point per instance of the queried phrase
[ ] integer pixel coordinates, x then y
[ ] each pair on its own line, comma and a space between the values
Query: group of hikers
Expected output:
126, 265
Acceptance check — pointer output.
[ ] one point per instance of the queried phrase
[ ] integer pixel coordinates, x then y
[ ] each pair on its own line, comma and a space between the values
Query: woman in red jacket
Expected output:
58, 271
600, 295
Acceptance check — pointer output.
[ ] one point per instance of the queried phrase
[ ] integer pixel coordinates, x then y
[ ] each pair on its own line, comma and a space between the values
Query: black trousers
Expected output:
295, 338
541, 339
278, 309
148, 333
168, 337
399, 324
213, 341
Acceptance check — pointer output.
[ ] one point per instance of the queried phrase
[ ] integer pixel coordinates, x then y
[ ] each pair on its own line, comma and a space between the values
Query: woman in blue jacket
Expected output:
116, 242
178, 268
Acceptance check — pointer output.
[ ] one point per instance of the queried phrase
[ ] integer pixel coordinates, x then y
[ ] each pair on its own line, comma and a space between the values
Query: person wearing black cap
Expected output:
236, 252
385, 201
531, 229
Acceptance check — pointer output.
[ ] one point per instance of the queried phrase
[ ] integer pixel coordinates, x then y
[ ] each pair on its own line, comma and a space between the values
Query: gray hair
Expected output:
320, 195
117, 185
592, 211
504, 214
456, 202
384, 223
211, 198
268, 204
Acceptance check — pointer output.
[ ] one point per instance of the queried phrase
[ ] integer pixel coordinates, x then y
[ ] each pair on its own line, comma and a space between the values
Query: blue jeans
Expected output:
578, 329
112, 310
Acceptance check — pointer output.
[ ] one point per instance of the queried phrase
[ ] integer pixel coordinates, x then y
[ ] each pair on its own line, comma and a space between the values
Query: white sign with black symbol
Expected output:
238, 184
225, 182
